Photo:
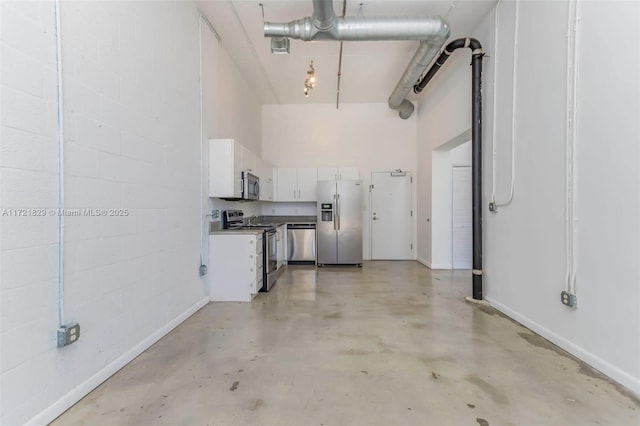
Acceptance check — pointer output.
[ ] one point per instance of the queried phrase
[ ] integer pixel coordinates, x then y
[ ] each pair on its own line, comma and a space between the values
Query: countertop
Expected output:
236, 231
277, 220
215, 227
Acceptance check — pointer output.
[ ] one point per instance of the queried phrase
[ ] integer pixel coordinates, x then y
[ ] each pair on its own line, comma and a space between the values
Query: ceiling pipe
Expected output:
431, 31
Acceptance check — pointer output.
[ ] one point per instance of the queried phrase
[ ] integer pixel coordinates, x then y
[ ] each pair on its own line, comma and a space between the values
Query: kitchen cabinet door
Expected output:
264, 171
327, 173
287, 184
307, 184
225, 168
348, 173
266, 190
338, 173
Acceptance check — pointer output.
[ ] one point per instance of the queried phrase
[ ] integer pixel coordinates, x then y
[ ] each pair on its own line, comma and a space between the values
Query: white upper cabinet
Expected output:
264, 171
296, 184
225, 168
286, 184
338, 173
307, 184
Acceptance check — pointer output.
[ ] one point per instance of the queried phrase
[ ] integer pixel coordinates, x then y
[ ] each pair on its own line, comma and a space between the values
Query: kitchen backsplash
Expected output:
263, 208
289, 209
248, 207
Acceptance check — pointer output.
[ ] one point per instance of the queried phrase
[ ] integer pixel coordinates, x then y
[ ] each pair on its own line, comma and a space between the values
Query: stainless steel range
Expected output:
234, 219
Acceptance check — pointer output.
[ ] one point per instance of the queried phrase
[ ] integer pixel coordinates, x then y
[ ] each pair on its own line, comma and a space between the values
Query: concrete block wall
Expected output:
132, 143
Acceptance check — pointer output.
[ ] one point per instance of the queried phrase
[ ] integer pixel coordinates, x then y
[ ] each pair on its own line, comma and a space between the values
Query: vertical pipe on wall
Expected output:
203, 216
476, 173
60, 136
476, 143
571, 131
495, 204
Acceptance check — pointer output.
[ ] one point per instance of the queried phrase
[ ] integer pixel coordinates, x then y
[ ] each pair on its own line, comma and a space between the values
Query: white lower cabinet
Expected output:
235, 266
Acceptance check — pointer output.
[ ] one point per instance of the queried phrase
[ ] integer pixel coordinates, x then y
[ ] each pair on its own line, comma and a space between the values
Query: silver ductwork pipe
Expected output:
432, 31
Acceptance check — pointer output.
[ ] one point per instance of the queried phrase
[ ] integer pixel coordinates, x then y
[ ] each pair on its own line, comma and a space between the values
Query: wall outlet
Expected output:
68, 334
203, 270
568, 299
215, 215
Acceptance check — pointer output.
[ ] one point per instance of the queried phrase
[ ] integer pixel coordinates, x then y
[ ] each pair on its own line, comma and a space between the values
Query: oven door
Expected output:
250, 186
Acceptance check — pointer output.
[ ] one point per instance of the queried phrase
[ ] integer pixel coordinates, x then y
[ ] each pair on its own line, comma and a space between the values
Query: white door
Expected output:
391, 216
462, 225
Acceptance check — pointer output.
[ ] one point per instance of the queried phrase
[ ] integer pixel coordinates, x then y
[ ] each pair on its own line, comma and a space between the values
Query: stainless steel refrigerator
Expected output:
339, 230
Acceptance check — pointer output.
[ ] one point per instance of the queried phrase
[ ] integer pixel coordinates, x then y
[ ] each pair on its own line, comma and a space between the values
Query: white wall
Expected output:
368, 136
443, 115
230, 110
525, 242
131, 121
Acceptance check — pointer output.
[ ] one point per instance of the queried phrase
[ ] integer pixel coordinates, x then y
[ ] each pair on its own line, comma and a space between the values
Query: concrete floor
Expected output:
392, 343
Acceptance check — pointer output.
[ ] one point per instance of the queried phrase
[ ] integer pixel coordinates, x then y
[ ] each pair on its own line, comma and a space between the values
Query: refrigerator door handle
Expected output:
338, 210
335, 213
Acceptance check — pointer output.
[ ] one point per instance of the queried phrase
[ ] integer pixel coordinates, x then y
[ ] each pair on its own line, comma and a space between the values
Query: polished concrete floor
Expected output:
392, 343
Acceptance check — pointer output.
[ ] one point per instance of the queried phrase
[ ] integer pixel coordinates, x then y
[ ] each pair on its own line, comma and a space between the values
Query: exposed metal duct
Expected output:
432, 31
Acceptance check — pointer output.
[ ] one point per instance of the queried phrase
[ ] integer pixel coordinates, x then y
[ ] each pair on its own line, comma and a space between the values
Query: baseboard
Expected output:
425, 262
616, 374
60, 406
430, 265
440, 266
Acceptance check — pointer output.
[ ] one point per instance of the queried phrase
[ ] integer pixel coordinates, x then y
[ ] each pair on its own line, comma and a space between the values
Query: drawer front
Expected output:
259, 273
257, 243
256, 284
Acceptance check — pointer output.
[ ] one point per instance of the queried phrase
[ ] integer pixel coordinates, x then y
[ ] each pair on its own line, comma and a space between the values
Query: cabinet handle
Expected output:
294, 194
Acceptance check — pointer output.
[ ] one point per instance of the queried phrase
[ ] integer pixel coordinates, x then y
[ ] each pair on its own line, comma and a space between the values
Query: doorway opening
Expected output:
451, 238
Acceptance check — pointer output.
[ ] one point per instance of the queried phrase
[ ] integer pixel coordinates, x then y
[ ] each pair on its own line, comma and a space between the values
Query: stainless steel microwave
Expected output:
250, 186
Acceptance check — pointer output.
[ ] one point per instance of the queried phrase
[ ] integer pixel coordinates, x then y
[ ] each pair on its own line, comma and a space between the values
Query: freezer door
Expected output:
326, 230
349, 221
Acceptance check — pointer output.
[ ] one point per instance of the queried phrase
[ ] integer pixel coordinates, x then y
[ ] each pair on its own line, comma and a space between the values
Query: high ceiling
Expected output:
370, 70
